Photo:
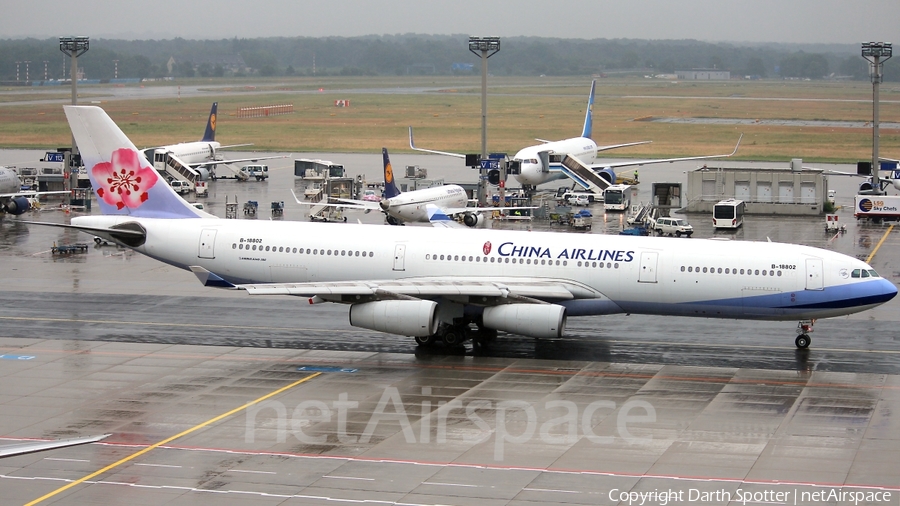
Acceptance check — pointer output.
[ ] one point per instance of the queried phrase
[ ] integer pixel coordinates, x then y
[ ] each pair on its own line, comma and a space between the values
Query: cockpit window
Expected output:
865, 273
855, 273
873, 273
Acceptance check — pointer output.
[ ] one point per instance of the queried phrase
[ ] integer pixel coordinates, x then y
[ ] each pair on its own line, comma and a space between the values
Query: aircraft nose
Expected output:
888, 290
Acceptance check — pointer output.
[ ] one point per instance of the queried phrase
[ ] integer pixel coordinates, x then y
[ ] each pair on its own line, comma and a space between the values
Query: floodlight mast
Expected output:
487, 47
74, 47
876, 53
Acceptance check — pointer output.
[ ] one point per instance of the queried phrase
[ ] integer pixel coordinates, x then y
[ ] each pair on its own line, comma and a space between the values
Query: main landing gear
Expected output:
457, 334
804, 329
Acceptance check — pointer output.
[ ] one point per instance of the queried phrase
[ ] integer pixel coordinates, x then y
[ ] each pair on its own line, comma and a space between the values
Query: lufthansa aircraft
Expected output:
432, 283
542, 163
200, 155
412, 206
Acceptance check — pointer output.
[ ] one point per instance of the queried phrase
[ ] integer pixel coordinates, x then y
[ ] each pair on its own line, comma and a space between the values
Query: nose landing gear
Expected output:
804, 329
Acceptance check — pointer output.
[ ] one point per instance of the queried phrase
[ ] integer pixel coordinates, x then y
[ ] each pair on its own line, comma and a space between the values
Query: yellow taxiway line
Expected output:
170, 439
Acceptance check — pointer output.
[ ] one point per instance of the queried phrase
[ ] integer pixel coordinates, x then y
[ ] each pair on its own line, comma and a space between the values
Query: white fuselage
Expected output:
192, 153
650, 275
532, 173
411, 206
9, 181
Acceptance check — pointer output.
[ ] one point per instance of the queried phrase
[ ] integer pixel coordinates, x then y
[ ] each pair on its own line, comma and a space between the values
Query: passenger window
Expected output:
690, 269
757, 272
720, 270
704, 270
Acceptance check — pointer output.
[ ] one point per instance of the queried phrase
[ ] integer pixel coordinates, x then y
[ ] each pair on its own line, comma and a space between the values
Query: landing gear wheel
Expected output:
453, 337
802, 341
425, 340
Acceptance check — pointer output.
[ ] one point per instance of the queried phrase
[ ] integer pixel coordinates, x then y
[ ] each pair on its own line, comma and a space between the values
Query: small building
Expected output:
703, 75
790, 190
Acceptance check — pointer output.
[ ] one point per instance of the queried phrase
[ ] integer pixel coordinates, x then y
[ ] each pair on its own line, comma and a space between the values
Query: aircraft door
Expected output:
814, 277
207, 243
400, 257
648, 267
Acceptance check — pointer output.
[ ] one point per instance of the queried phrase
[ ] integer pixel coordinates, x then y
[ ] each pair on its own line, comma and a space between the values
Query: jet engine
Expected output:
607, 174
17, 206
533, 320
403, 317
204, 173
473, 219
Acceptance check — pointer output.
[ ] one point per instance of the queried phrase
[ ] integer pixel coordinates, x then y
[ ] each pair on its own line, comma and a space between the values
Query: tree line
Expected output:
426, 54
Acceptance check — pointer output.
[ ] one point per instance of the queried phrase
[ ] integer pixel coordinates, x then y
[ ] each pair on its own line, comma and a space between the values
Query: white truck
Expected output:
876, 207
260, 172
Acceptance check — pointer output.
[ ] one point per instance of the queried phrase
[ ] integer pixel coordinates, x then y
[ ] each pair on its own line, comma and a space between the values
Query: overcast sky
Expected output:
801, 21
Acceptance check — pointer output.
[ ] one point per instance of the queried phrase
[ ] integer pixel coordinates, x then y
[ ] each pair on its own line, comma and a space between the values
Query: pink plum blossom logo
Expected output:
123, 182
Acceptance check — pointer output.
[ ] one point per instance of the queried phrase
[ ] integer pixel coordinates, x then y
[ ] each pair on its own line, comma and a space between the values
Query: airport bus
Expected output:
617, 197
728, 213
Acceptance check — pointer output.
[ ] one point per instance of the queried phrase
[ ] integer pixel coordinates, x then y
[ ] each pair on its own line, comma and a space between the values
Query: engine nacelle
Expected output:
473, 219
607, 174
204, 173
17, 206
533, 320
403, 317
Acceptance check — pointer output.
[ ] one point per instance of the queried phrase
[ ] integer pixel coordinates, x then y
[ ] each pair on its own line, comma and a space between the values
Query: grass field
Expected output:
519, 110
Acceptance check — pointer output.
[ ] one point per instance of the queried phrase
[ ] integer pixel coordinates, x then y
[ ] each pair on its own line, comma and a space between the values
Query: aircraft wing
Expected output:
345, 203
511, 288
38, 446
665, 160
32, 194
617, 146
236, 160
414, 148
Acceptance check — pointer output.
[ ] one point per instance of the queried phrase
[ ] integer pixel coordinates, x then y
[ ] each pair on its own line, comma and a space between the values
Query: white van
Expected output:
260, 172
180, 187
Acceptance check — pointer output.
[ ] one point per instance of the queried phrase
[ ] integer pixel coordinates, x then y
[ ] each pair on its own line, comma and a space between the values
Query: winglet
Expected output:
438, 218
588, 115
413, 147
390, 189
210, 279
210, 134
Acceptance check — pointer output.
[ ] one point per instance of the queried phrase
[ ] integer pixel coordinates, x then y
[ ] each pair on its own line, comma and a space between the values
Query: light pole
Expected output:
27, 74
116, 71
45, 69
487, 47
876, 53
74, 47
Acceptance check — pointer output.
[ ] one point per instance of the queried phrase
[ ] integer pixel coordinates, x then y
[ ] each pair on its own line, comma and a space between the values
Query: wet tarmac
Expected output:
112, 342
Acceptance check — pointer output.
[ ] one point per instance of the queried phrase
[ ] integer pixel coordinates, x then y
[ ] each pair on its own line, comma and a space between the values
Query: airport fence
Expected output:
265, 111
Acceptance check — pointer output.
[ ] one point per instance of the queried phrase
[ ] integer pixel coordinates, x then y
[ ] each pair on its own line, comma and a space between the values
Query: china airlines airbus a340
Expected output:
433, 283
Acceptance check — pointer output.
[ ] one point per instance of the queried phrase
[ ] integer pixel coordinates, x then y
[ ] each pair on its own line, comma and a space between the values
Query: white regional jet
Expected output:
432, 283
542, 163
200, 155
412, 206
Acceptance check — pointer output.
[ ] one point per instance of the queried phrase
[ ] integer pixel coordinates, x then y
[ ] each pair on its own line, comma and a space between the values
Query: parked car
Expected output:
673, 226
578, 200
371, 196
179, 186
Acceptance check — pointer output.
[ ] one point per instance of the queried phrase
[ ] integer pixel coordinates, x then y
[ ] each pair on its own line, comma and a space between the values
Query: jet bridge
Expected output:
584, 176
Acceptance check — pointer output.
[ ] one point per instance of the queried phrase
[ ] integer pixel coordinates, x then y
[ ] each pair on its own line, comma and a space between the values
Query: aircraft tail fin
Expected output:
124, 182
210, 134
390, 188
588, 120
